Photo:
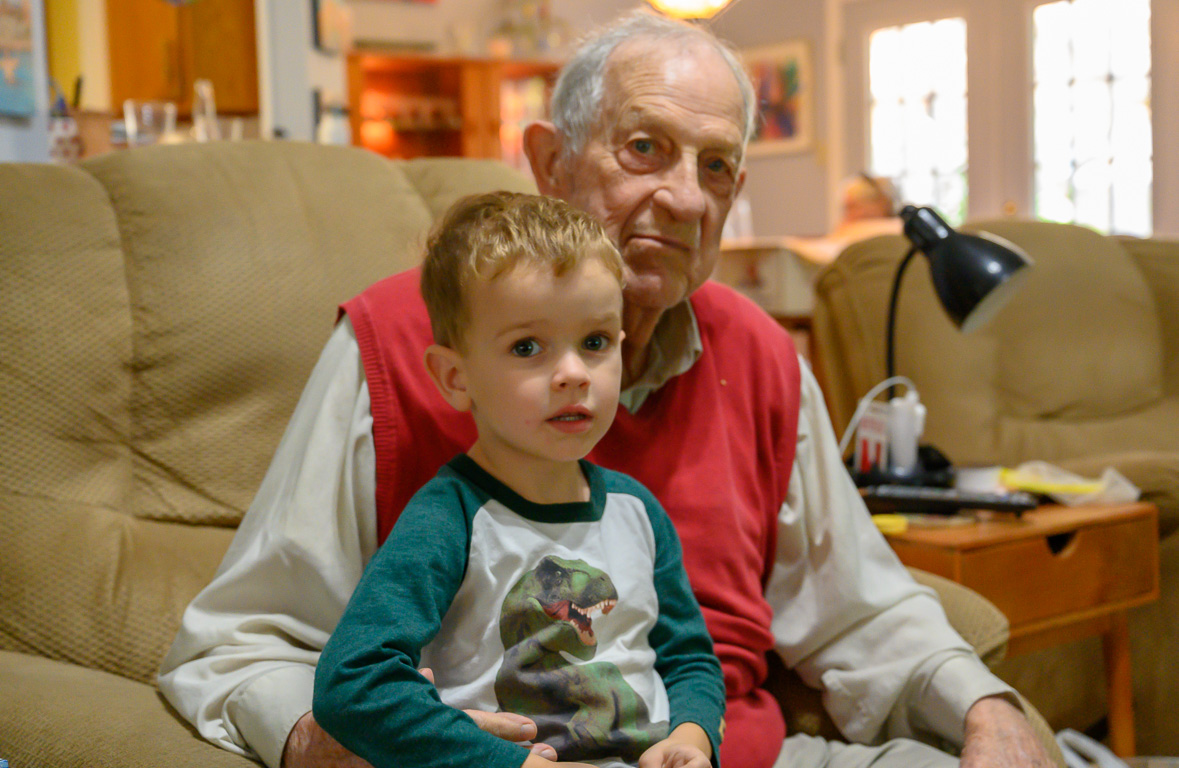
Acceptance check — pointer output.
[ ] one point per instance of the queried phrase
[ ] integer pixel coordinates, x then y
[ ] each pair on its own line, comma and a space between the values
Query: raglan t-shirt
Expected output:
576, 615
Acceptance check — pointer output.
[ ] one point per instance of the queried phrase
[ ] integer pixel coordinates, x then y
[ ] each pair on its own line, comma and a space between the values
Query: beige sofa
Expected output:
1081, 369
160, 311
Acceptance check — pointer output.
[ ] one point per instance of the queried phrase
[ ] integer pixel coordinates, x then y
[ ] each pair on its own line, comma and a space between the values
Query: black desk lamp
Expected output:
973, 275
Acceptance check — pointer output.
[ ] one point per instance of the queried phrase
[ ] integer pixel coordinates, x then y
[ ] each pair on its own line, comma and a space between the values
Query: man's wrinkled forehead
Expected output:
640, 68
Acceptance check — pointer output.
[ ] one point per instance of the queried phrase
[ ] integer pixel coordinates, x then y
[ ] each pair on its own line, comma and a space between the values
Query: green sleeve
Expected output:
684, 656
368, 693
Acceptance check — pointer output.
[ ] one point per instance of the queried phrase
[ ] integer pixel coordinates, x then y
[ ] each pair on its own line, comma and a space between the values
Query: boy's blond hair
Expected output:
484, 236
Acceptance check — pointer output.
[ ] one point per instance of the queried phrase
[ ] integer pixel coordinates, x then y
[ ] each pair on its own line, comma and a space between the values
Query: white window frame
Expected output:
999, 97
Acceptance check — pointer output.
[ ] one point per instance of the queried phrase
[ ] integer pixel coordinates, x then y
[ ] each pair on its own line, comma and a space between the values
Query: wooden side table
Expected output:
1058, 574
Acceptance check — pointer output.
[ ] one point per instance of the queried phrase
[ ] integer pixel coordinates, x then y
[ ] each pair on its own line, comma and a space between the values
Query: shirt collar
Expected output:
675, 347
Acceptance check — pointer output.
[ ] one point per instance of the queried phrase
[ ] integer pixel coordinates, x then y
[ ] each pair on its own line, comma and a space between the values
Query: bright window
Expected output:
1092, 82
918, 112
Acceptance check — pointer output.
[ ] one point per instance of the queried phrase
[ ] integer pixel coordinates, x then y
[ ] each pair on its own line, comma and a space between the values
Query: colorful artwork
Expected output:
784, 82
16, 58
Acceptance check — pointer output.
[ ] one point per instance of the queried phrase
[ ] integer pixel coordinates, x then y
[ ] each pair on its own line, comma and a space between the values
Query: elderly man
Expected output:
719, 419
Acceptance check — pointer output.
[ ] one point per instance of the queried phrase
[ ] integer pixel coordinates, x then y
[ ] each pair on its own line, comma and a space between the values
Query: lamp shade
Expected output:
973, 275
689, 9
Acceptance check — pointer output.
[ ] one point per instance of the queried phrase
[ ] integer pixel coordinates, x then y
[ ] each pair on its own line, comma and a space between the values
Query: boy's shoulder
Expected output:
620, 482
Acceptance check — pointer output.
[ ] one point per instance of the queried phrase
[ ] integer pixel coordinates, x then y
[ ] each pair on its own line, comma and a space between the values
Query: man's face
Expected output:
662, 166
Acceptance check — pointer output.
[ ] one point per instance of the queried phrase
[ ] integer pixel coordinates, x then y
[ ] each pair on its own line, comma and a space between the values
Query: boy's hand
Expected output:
686, 747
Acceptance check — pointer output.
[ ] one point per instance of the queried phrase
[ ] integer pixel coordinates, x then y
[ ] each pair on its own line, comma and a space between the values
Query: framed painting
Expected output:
16, 58
784, 82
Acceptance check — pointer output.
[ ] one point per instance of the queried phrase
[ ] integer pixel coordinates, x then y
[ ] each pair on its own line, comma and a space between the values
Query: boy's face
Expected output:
543, 361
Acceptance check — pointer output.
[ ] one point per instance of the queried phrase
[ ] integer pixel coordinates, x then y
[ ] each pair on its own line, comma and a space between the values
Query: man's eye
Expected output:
643, 146
596, 342
525, 348
717, 166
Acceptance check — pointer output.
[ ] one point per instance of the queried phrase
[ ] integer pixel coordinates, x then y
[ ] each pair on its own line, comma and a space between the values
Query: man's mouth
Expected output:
662, 241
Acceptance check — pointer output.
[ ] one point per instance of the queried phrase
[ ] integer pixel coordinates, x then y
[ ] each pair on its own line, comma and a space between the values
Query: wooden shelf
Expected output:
414, 106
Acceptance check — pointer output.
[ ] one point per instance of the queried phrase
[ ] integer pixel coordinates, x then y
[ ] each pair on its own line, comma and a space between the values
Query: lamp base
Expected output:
933, 470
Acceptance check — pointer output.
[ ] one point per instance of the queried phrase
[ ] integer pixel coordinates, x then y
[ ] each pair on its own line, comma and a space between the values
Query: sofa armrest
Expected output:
973, 616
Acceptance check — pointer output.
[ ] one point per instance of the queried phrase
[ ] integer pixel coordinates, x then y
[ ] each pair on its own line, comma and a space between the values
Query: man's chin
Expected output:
653, 293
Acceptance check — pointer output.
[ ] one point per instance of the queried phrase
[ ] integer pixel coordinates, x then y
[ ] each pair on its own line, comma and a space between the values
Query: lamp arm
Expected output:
892, 315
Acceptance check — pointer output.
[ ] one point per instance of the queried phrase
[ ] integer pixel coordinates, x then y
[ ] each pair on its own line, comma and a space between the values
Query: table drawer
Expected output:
1089, 567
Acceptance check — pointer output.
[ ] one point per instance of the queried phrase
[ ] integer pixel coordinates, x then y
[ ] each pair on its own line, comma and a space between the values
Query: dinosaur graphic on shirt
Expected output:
585, 711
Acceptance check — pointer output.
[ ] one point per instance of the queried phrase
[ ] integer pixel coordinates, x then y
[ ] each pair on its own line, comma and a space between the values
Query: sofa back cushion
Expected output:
161, 309
1075, 359
236, 260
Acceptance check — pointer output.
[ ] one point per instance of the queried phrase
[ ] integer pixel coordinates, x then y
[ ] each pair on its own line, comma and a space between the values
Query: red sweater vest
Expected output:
715, 445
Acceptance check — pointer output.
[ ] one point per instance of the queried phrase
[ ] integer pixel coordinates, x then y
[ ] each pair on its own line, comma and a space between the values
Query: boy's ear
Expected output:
542, 145
445, 367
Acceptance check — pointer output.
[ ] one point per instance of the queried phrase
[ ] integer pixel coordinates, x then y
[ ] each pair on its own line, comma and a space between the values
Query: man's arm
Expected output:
242, 665
853, 623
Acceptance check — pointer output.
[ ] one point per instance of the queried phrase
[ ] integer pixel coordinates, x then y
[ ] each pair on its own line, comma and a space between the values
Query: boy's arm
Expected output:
684, 655
369, 694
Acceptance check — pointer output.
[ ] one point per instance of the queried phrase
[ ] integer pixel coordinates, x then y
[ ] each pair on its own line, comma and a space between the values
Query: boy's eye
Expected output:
596, 342
525, 348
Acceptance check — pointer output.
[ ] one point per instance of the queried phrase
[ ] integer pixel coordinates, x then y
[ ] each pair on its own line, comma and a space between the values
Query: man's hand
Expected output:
999, 736
506, 725
686, 747
309, 746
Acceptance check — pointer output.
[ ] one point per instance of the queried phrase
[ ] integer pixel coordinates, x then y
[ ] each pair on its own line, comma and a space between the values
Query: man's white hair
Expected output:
577, 96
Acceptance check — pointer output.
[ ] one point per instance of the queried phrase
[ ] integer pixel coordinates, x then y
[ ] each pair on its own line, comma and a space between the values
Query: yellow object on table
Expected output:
891, 524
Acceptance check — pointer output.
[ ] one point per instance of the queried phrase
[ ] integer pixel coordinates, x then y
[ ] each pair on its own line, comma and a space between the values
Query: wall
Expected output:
27, 139
788, 193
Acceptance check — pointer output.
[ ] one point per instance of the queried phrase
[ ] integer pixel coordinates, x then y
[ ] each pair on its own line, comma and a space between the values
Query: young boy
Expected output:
529, 580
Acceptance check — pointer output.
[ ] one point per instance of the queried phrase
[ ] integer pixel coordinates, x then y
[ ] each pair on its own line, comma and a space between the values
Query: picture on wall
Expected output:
784, 82
16, 58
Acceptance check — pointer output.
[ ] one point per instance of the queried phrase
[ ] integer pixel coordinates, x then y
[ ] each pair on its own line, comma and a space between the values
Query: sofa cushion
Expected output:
236, 257
64, 361
68, 717
96, 587
161, 310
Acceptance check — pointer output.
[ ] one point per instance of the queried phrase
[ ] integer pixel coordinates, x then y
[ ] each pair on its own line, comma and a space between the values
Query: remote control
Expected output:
942, 501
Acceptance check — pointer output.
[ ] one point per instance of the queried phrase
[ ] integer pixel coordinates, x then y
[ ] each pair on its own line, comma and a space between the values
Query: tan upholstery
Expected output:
1081, 369
161, 309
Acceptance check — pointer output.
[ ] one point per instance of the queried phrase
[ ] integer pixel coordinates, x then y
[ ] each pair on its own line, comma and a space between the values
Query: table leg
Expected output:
1119, 685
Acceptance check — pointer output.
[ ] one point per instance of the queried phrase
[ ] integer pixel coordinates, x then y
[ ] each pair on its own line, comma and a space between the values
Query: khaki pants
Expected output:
803, 751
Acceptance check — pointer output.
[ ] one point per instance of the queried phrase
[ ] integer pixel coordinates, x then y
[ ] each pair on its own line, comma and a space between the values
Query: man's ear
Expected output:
542, 145
445, 367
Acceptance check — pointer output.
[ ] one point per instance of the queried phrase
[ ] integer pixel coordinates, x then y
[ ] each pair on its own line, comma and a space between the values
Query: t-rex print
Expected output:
584, 711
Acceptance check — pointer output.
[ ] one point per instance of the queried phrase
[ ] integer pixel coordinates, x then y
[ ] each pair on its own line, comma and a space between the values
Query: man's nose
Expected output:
571, 371
681, 193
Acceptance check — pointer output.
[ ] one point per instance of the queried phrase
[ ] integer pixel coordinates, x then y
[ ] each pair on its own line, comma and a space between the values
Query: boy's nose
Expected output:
570, 372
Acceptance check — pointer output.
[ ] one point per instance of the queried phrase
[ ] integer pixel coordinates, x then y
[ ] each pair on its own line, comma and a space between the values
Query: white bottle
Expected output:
906, 422
333, 127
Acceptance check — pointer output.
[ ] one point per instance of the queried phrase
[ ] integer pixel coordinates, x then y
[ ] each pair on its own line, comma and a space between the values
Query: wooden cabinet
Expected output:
1058, 574
158, 50
414, 106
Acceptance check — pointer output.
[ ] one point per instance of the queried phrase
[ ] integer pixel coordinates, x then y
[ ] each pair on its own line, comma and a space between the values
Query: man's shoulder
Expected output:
722, 312
402, 286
